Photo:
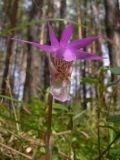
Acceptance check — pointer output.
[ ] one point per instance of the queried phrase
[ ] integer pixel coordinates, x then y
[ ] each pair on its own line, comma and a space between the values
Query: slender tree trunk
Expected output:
79, 18
46, 63
81, 93
11, 8
84, 34
34, 67
113, 37
62, 15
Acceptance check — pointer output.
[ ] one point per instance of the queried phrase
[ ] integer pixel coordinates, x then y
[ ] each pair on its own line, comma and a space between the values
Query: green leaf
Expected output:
112, 84
115, 70
22, 25
110, 127
114, 118
90, 99
77, 116
89, 80
11, 99
26, 125
60, 107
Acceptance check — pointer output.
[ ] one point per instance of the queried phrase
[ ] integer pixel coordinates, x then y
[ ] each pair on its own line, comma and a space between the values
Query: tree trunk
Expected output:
34, 60
46, 63
81, 92
10, 8
62, 15
113, 37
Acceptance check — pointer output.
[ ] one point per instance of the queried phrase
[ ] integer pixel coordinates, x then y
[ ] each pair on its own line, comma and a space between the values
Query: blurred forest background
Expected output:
87, 127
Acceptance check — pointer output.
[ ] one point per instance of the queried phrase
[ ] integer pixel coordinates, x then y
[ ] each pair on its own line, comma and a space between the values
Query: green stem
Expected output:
48, 141
98, 119
14, 109
98, 133
109, 146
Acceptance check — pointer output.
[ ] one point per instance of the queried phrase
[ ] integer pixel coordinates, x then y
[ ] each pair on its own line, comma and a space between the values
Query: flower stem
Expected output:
48, 141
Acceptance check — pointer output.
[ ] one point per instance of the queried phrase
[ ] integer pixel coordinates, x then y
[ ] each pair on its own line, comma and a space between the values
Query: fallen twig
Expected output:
13, 150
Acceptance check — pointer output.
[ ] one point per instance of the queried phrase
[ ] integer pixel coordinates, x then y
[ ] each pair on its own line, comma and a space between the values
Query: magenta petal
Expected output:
77, 44
69, 55
53, 39
66, 34
87, 56
66, 53
45, 48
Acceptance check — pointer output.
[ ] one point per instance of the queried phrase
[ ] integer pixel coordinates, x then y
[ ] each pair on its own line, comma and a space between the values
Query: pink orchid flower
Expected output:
61, 57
